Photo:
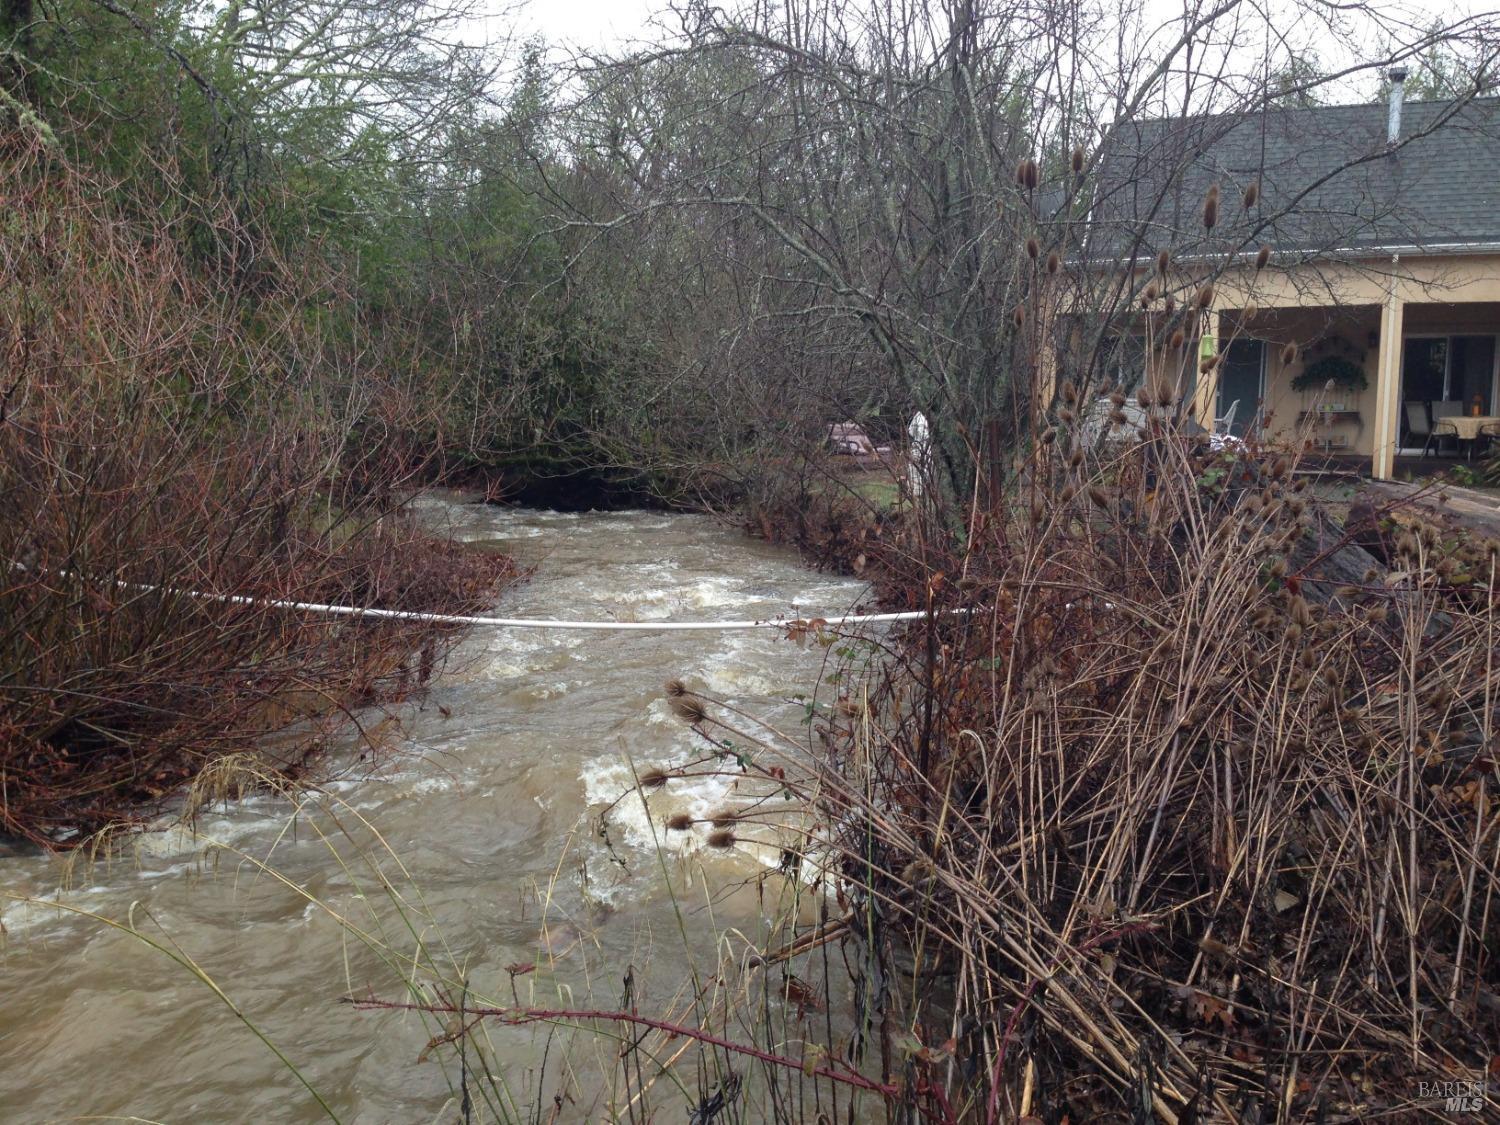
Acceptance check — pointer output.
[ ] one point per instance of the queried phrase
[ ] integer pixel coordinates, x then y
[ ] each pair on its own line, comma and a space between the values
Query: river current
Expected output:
473, 843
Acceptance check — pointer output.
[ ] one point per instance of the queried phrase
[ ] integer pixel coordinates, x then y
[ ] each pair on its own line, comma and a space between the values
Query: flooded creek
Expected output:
474, 844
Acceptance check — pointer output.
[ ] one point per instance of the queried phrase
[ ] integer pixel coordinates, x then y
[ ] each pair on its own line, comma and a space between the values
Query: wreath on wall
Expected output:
1332, 359
1335, 369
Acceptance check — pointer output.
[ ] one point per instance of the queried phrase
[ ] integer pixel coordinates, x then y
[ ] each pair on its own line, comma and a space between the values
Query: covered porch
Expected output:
1412, 379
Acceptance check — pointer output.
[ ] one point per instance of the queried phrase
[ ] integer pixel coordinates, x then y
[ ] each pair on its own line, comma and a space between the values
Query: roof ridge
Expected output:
1331, 107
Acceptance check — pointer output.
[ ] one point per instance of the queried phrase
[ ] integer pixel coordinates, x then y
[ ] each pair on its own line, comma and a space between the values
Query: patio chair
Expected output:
1489, 433
1419, 424
1225, 425
1440, 410
1447, 408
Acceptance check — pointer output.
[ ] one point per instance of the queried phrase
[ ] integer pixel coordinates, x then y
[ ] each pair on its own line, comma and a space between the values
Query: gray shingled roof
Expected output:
1328, 180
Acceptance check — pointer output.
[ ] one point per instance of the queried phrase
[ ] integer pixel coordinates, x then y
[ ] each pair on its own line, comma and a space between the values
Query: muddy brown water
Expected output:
489, 806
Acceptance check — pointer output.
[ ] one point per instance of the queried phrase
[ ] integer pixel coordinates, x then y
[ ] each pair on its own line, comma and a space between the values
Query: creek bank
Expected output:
181, 687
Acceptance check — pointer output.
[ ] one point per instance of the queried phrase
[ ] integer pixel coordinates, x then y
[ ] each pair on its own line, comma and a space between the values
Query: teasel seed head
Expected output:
1299, 484
1163, 262
679, 822
1075, 457
1099, 496
1117, 397
1117, 418
675, 689
1033, 249
1211, 209
1020, 315
1067, 493
1078, 157
1054, 262
1262, 258
1066, 415
1252, 193
1280, 467
1178, 338
1288, 355
1027, 175
1206, 296
1277, 568
1069, 392
721, 838
1169, 304
1250, 311
652, 779
724, 818
1047, 436
1301, 611
689, 710
1377, 614
1143, 396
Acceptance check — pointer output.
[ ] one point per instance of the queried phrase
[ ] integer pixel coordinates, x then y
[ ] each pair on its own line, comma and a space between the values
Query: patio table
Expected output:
1468, 427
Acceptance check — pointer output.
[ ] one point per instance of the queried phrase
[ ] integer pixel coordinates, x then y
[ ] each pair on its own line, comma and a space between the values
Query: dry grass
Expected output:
1192, 814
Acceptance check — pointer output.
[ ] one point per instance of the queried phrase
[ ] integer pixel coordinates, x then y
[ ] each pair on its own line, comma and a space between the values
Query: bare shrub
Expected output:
161, 440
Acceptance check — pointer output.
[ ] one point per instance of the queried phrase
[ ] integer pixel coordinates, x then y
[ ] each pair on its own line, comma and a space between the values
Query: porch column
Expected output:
1388, 388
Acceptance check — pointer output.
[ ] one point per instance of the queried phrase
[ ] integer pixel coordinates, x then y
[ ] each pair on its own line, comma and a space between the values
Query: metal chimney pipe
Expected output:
1397, 75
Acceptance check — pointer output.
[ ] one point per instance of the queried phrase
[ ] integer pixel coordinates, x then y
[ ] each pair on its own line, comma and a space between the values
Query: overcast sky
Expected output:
596, 23
589, 23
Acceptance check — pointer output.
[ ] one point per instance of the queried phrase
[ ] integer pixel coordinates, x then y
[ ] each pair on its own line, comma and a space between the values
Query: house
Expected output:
1382, 229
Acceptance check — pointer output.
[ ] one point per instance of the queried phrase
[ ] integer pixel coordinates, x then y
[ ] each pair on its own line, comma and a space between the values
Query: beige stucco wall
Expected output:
1371, 281
1304, 329
1305, 302
1312, 301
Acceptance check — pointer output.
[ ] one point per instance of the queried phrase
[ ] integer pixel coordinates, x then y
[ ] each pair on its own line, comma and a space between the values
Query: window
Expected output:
1449, 369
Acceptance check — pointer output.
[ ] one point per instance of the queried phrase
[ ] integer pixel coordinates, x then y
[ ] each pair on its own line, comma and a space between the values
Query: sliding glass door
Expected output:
1449, 370
1242, 384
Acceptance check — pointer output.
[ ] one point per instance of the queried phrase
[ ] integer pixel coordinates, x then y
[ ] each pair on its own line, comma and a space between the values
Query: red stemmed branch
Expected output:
538, 1015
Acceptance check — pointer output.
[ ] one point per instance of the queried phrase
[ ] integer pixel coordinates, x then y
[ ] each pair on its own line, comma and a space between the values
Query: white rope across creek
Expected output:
552, 623
524, 622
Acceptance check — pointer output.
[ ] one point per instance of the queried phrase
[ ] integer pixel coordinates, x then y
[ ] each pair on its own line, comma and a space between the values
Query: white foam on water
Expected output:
608, 781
